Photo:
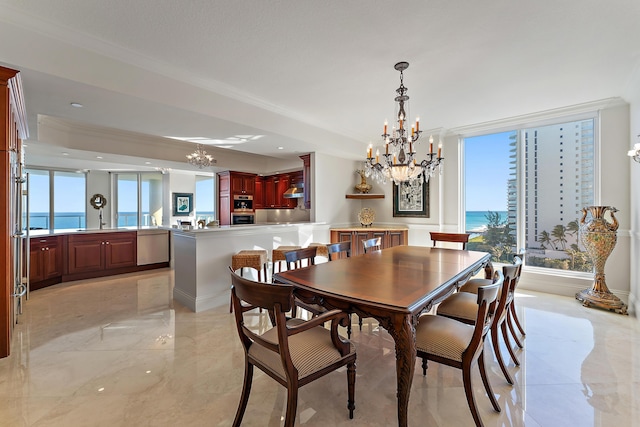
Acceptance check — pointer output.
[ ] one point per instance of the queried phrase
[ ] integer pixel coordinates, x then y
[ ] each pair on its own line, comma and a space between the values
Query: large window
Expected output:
138, 199
56, 199
204, 198
526, 189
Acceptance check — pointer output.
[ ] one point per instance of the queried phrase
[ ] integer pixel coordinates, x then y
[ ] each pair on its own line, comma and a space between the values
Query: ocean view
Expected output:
70, 220
477, 221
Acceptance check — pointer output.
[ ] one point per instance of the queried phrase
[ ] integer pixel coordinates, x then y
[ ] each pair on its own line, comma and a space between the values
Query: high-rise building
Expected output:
559, 162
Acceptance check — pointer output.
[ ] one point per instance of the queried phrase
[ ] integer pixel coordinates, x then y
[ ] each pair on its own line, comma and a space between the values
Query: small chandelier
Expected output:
200, 158
635, 153
399, 163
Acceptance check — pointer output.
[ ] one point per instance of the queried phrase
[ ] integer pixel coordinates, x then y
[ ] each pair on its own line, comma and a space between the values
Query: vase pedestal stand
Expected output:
599, 237
599, 296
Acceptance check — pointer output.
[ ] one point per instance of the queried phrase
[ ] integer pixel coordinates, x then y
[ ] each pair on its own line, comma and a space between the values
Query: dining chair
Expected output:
296, 259
336, 250
512, 317
460, 345
450, 237
374, 244
462, 306
294, 352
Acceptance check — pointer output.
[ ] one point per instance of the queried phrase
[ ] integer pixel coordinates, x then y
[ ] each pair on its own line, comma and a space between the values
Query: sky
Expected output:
487, 171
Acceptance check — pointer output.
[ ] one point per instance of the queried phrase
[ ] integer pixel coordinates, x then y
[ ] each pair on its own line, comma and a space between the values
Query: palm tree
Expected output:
573, 227
560, 235
544, 238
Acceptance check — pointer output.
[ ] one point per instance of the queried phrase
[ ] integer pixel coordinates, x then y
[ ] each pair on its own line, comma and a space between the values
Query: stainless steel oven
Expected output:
242, 218
242, 203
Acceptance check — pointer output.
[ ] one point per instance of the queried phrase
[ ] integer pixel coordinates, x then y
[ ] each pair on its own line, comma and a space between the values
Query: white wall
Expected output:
633, 97
98, 182
176, 182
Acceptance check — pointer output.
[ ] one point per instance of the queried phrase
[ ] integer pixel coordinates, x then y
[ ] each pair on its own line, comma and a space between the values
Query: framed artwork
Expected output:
182, 204
411, 200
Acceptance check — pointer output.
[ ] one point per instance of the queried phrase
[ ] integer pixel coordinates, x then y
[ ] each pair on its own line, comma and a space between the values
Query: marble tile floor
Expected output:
119, 352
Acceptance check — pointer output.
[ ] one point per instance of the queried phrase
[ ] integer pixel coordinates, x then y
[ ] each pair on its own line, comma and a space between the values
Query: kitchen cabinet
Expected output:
46, 261
232, 184
272, 188
390, 236
242, 183
258, 195
283, 185
97, 252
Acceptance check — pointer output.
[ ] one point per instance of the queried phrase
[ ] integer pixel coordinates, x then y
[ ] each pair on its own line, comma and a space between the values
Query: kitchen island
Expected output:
202, 256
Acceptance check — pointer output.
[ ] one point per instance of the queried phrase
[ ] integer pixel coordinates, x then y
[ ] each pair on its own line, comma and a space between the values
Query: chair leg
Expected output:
487, 384
496, 349
292, 405
512, 330
468, 391
424, 366
244, 397
351, 385
360, 322
349, 327
508, 343
517, 320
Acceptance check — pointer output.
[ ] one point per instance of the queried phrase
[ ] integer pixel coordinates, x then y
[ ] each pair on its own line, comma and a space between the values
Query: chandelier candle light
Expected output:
399, 163
200, 158
635, 153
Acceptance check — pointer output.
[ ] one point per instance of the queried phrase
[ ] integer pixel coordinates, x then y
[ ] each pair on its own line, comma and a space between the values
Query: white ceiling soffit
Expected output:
312, 76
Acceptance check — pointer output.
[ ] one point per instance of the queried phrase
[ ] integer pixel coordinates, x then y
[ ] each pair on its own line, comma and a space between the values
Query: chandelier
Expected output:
200, 158
399, 162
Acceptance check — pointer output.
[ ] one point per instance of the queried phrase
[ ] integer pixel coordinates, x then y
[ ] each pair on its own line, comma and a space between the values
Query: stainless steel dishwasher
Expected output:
153, 246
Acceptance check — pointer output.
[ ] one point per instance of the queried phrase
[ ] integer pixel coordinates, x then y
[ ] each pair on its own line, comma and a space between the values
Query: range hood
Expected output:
295, 192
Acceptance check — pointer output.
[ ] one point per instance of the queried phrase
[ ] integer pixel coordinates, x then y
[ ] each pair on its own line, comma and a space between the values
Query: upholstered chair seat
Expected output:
444, 337
461, 306
472, 285
311, 351
461, 345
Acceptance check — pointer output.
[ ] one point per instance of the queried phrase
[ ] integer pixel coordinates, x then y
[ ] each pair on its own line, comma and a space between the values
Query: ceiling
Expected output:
306, 76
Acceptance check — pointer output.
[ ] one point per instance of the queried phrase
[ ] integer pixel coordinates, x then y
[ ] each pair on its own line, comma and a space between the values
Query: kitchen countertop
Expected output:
57, 232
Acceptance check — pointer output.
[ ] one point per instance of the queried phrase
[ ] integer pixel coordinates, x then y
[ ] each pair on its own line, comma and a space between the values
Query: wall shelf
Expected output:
364, 196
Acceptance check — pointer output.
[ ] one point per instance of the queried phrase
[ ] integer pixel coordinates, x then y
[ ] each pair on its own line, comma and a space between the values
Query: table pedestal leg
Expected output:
401, 328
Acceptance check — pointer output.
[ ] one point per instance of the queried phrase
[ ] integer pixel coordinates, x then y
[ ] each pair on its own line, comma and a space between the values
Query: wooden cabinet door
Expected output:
86, 253
224, 209
396, 238
248, 184
52, 257
36, 267
46, 258
237, 184
270, 192
258, 194
284, 184
120, 250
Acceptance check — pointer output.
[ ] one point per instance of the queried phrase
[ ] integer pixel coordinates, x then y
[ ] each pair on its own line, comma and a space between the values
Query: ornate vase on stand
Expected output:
599, 237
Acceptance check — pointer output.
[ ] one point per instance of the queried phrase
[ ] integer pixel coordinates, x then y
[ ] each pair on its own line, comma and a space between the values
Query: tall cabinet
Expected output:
13, 127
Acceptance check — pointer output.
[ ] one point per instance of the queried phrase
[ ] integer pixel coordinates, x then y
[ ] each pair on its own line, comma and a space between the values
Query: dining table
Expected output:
394, 286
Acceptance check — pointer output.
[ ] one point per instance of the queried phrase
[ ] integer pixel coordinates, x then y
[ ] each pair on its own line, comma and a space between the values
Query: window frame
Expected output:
520, 125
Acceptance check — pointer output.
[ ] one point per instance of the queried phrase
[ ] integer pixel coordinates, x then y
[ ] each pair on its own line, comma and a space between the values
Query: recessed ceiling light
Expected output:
280, 148
98, 157
65, 154
147, 163
76, 105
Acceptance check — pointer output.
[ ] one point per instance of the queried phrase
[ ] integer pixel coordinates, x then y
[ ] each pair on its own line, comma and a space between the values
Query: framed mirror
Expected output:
98, 201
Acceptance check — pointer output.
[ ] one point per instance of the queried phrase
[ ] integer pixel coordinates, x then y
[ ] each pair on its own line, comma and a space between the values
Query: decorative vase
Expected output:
599, 237
363, 187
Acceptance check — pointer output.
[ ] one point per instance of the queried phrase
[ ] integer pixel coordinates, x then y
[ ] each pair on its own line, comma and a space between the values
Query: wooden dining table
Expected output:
394, 286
